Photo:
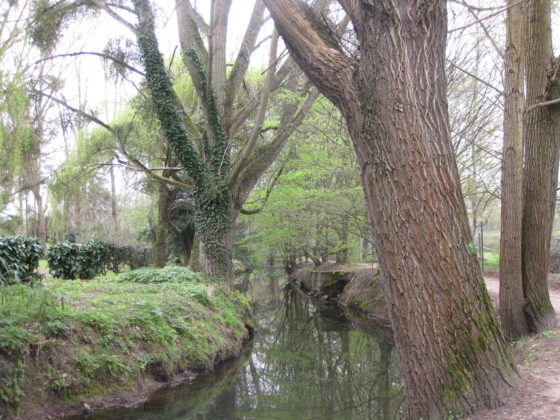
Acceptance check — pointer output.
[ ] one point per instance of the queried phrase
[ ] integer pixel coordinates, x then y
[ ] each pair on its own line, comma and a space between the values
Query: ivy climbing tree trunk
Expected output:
542, 137
210, 192
452, 353
220, 187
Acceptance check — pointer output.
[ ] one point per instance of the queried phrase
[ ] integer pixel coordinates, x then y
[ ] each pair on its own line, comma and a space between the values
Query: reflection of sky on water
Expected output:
306, 362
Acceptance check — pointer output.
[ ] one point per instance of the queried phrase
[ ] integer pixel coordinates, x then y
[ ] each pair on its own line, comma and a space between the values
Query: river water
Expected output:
308, 360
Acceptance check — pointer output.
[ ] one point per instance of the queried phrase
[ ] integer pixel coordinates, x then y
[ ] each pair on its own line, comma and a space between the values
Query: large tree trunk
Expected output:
452, 353
541, 166
512, 301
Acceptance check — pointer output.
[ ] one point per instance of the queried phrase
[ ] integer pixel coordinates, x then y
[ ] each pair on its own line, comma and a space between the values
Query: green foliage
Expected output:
49, 20
15, 132
70, 261
63, 261
110, 332
317, 205
19, 258
11, 385
160, 275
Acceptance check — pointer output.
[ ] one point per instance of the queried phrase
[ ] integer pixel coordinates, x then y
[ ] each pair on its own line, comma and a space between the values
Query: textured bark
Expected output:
452, 353
165, 199
541, 166
217, 50
512, 301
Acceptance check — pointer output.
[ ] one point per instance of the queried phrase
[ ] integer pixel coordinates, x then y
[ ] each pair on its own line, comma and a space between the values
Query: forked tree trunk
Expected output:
541, 165
512, 301
452, 353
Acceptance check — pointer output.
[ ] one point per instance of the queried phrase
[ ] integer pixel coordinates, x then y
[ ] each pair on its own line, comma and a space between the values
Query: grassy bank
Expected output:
67, 341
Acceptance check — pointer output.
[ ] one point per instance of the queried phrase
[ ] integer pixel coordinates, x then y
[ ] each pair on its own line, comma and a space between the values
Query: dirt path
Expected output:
538, 357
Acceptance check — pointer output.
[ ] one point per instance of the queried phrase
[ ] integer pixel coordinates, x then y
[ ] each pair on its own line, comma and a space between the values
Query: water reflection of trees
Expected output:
314, 367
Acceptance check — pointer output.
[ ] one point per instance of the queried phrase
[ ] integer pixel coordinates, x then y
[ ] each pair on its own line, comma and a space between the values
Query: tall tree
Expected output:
532, 139
512, 301
452, 353
223, 157
542, 137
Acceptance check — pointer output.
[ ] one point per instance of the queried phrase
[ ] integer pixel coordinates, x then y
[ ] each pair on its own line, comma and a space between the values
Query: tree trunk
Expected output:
342, 253
194, 260
512, 301
114, 210
452, 353
541, 167
165, 199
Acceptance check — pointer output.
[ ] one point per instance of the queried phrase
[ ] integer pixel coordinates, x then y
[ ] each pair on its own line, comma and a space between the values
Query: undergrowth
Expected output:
69, 339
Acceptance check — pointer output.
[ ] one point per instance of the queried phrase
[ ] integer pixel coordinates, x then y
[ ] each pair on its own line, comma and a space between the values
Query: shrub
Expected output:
63, 260
70, 261
19, 258
94, 257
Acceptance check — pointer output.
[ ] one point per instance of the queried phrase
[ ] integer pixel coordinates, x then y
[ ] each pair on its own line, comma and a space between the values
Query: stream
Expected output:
308, 360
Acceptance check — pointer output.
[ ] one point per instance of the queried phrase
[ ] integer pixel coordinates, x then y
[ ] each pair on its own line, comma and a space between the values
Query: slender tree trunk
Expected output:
452, 353
114, 209
474, 204
512, 301
188, 243
342, 253
165, 199
194, 260
541, 166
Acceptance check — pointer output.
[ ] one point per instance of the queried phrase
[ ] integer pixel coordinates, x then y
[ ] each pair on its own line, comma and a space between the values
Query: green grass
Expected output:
491, 260
73, 338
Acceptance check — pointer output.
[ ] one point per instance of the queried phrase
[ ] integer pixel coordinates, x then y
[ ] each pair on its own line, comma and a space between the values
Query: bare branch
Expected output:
500, 11
265, 95
102, 55
243, 57
105, 7
475, 77
543, 104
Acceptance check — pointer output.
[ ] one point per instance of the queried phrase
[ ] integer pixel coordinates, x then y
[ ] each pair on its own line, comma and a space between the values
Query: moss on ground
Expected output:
67, 340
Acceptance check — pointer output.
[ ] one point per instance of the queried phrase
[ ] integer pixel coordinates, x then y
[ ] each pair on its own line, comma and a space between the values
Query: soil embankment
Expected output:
71, 347
356, 286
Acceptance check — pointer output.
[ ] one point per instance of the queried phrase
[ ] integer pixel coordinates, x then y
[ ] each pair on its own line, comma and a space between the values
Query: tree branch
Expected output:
475, 77
217, 51
120, 145
102, 55
267, 194
115, 15
543, 104
244, 55
265, 94
328, 68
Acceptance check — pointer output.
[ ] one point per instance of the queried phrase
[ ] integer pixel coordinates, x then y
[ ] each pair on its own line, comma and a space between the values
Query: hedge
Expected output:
70, 261
19, 258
